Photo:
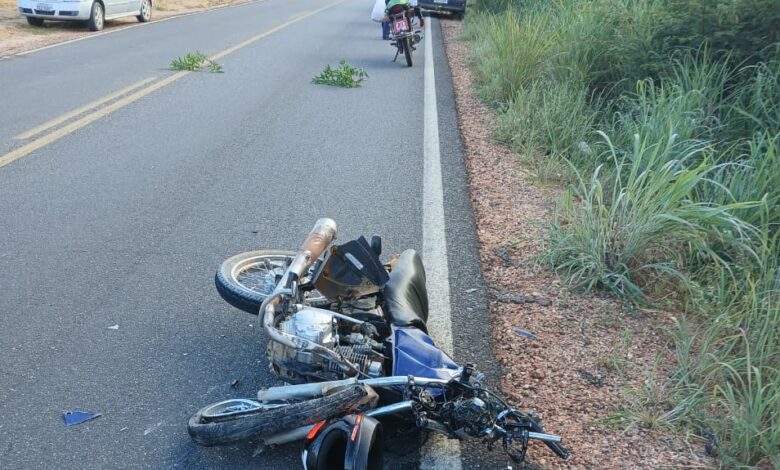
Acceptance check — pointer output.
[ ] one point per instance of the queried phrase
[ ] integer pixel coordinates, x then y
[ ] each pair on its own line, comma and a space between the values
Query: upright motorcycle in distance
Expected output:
402, 35
349, 335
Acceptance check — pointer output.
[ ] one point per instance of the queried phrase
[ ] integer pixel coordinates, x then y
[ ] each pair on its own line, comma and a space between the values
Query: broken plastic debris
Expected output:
259, 450
152, 428
73, 418
234, 383
527, 334
469, 291
115, 327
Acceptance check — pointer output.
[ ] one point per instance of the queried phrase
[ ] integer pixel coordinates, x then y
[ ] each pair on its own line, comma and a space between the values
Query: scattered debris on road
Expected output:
527, 334
523, 299
194, 62
152, 428
344, 75
73, 418
591, 378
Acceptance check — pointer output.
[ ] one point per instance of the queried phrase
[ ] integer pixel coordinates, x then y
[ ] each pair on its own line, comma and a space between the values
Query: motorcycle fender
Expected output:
364, 448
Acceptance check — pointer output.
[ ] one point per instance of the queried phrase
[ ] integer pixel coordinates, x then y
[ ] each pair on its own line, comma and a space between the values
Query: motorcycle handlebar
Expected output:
554, 446
559, 451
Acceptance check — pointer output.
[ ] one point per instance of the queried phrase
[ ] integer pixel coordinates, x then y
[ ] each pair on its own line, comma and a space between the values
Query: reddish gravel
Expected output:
589, 354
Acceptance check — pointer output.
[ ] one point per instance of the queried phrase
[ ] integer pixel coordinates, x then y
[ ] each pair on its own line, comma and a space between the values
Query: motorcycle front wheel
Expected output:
234, 421
408, 50
246, 279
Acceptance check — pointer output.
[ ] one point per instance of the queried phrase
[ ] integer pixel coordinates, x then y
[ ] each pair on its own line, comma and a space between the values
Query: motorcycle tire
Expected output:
266, 422
408, 51
234, 278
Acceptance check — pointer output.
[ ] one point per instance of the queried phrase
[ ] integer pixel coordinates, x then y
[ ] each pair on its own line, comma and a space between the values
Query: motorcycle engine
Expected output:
322, 327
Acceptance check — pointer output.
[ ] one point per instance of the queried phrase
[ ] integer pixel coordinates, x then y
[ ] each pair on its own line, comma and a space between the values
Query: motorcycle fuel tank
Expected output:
349, 271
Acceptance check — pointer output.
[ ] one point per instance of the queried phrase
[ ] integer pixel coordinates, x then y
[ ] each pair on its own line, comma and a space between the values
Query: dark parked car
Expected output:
456, 7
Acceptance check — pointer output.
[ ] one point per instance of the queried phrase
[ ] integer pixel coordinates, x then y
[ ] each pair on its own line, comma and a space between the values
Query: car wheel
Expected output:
35, 21
146, 11
97, 17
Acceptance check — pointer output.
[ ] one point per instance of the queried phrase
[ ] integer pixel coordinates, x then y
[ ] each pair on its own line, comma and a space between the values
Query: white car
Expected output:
94, 12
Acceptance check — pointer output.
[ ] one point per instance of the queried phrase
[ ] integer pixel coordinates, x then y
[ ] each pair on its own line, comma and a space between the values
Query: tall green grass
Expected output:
552, 119
758, 102
638, 222
667, 113
511, 54
688, 103
752, 175
729, 365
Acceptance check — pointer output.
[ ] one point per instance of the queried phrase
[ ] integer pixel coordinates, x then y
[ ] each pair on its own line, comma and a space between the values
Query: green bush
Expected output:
492, 6
740, 29
609, 43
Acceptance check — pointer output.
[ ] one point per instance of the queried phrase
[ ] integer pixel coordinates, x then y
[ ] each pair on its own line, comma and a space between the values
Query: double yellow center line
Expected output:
137, 91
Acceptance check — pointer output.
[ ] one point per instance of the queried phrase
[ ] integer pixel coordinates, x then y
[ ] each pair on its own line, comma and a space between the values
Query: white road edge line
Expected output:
440, 453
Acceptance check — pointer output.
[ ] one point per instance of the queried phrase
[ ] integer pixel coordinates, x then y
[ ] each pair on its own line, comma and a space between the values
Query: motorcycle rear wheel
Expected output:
246, 279
408, 50
228, 426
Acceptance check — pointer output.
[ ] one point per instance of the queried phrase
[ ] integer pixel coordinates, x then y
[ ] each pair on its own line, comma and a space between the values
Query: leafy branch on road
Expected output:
344, 75
195, 61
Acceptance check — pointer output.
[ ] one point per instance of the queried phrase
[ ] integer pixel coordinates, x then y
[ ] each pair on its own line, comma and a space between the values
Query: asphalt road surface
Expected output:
118, 217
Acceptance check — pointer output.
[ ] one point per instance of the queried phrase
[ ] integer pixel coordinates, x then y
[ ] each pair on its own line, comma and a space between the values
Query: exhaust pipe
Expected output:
302, 391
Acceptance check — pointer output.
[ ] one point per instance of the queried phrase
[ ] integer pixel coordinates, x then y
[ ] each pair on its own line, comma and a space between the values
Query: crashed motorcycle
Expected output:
404, 35
349, 336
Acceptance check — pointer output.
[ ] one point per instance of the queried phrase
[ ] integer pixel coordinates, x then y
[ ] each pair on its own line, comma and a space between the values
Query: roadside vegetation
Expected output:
663, 118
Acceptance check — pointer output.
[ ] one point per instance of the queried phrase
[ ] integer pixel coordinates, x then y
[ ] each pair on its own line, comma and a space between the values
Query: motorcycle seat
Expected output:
406, 298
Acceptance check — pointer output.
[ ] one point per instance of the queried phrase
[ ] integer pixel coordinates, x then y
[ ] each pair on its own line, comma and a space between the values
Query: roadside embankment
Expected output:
588, 352
645, 137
